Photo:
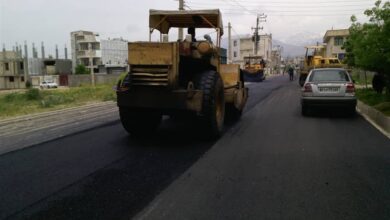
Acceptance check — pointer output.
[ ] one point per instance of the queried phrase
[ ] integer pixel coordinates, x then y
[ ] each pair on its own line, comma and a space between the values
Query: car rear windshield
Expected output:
329, 76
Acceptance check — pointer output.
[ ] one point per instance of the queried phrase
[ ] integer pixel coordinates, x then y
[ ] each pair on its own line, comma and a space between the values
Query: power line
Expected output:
289, 6
293, 3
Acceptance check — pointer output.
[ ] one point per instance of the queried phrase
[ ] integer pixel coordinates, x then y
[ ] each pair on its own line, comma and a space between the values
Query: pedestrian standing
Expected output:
291, 73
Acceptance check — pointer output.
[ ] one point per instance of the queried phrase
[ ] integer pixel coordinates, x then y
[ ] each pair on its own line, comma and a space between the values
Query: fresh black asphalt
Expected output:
272, 164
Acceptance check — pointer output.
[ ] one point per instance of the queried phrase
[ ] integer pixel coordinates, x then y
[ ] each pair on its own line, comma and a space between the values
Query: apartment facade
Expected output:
85, 47
114, 51
114, 56
12, 70
334, 41
245, 46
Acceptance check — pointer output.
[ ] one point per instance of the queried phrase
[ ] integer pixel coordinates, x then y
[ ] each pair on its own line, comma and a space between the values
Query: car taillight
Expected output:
307, 88
350, 88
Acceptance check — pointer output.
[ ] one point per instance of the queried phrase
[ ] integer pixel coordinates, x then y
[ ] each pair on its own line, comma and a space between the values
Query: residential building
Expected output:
57, 66
12, 70
334, 40
245, 46
114, 51
276, 60
85, 46
114, 56
223, 55
35, 66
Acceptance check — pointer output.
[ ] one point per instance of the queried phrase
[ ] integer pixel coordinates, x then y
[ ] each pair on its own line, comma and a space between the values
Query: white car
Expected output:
328, 87
48, 85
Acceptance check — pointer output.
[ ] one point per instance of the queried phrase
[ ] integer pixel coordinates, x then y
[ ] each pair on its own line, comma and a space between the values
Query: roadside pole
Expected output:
92, 72
230, 43
181, 7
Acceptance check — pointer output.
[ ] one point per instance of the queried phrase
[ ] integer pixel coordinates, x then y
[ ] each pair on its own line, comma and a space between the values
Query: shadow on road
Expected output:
331, 113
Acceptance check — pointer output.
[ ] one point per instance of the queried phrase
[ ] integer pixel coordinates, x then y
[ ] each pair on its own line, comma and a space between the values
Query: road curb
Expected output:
375, 117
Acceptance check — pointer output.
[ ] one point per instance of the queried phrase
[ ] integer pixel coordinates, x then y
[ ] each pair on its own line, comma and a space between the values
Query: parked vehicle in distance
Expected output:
315, 59
254, 69
328, 87
48, 85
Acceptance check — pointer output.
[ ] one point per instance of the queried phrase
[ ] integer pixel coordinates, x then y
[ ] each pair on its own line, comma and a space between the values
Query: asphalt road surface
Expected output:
272, 164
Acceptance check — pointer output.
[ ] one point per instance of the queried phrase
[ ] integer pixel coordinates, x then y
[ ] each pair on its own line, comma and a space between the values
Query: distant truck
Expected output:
254, 68
314, 60
170, 77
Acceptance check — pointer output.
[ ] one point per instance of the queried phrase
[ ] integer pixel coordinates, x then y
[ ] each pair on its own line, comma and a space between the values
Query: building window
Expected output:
6, 66
22, 78
234, 54
235, 43
338, 41
11, 79
21, 65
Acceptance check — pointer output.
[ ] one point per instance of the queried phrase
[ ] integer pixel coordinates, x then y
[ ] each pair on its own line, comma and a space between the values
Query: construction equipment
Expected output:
168, 78
254, 69
314, 59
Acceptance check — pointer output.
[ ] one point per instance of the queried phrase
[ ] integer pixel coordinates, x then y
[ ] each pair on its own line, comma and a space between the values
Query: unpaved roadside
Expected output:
24, 131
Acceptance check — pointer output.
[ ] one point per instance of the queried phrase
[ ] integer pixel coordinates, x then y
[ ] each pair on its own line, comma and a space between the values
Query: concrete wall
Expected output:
35, 66
78, 80
63, 66
11, 70
17, 83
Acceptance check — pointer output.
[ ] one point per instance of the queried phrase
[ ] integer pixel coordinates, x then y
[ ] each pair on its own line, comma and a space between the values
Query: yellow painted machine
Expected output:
254, 69
171, 77
314, 59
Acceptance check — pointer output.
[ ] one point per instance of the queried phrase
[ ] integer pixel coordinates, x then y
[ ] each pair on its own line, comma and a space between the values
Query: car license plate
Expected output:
329, 89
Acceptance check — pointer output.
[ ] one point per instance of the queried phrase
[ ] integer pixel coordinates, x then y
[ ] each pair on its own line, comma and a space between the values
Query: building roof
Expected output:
335, 33
8, 55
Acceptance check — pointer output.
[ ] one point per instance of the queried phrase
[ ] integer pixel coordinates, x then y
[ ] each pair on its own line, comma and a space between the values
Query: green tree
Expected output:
368, 45
81, 69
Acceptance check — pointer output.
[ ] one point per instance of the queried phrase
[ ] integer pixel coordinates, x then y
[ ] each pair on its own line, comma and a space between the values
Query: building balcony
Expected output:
89, 53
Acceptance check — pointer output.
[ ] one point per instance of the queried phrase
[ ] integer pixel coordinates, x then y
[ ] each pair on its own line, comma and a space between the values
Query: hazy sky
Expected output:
52, 21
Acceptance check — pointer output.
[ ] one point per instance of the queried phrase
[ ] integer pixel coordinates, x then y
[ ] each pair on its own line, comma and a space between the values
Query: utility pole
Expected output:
25, 61
56, 52
181, 8
256, 37
43, 50
230, 43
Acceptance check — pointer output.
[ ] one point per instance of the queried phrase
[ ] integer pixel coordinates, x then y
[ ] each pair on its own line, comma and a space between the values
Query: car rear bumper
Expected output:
329, 101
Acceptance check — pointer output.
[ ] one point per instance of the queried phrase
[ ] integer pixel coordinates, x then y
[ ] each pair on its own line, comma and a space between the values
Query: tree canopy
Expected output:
368, 45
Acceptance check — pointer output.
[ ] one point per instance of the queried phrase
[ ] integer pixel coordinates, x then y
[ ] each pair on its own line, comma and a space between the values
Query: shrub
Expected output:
81, 69
28, 84
33, 94
10, 97
52, 100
